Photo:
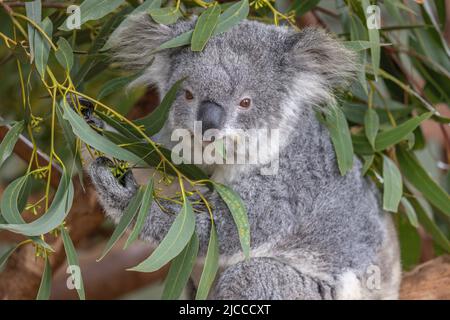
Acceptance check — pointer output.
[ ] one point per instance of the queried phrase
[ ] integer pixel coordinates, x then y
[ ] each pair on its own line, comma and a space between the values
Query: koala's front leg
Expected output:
113, 194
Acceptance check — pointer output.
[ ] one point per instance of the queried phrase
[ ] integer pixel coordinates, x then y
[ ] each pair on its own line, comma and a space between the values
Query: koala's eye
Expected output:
188, 95
245, 103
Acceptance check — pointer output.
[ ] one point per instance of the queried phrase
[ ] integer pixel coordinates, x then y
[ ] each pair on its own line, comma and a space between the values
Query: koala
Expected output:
315, 234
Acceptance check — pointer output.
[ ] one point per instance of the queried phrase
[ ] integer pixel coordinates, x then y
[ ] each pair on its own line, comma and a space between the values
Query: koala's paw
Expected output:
87, 110
114, 191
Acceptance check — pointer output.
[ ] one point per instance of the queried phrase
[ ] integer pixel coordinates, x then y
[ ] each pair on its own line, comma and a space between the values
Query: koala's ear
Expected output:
133, 44
315, 52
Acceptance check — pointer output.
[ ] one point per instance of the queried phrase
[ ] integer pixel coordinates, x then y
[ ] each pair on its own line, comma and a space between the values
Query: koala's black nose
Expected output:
211, 114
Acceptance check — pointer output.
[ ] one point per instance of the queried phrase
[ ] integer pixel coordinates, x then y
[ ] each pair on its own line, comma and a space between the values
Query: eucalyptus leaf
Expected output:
371, 126
204, 27
72, 261
210, 268
144, 210
393, 186
180, 270
10, 140
239, 213
410, 212
93, 10
173, 243
46, 282
168, 15
127, 216
42, 46
64, 54
33, 10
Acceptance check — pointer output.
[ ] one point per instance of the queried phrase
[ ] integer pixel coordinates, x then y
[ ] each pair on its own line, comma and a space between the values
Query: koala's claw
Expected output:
87, 111
101, 174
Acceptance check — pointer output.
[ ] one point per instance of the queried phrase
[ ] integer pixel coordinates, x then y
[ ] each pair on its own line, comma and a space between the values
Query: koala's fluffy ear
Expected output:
134, 42
315, 52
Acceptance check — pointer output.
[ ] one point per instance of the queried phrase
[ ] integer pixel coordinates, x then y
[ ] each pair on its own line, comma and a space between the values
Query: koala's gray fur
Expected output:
314, 233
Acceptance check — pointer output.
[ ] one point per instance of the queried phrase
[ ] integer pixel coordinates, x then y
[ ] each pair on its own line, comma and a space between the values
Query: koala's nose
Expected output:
211, 115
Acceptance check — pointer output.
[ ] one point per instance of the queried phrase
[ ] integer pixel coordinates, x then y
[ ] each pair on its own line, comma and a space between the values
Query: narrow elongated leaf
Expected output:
46, 282
393, 186
211, 266
340, 136
430, 226
232, 16
113, 85
9, 141
410, 212
144, 211
155, 120
182, 40
72, 260
4, 258
374, 37
422, 181
393, 136
92, 138
33, 10
357, 45
228, 19
64, 54
239, 213
124, 222
55, 215
173, 243
9, 204
168, 15
371, 125
93, 10
204, 27
42, 46
180, 270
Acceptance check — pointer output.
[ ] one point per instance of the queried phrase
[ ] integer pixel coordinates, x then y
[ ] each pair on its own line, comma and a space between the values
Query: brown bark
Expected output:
430, 280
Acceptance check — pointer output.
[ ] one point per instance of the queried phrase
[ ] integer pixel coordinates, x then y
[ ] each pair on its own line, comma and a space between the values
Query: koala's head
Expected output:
253, 76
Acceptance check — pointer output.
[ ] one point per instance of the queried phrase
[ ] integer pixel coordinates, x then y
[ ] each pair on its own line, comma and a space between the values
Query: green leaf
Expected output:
46, 282
42, 46
371, 125
72, 260
204, 27
422, 181
9, 141
64, 54
144, 211
92, 138
393, 136
239, 213
393, 186
4, 258
10, 199
33, 10
232, 16
368, 160
340, 135
168, 15
228, 19
211, 266
357, 45
114, 85
58, 210
93, 10
182, 40
156, 120
173, 243
127, 216
430, 226
410, 212
180, 270
374, 37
